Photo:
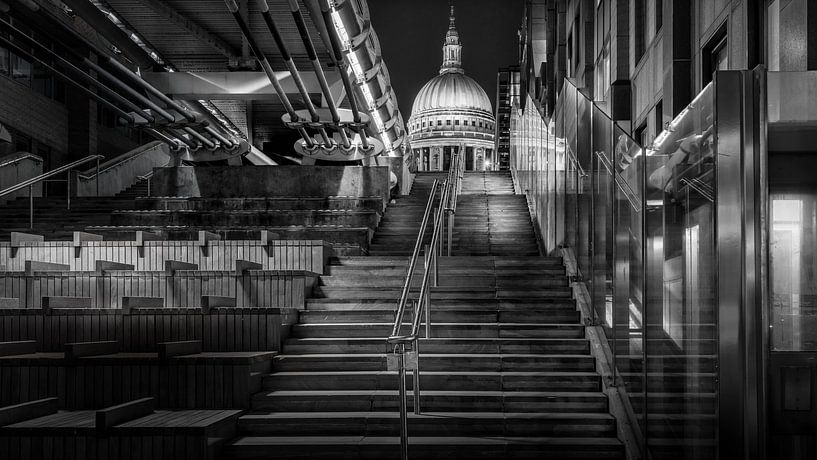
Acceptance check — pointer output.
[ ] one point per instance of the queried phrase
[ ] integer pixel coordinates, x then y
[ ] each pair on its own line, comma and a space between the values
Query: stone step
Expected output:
445, 270
386, 281
458, 401
481, 362
442, 293
390, 304
436, 381
437, 345
443, 330
497, 424
551, 315
432, 448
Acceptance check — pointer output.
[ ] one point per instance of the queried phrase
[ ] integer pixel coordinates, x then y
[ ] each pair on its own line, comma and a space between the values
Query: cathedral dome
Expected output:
451, 90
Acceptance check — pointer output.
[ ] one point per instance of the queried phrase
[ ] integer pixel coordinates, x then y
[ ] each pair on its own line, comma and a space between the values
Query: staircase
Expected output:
490, 219
507, 372
139, 189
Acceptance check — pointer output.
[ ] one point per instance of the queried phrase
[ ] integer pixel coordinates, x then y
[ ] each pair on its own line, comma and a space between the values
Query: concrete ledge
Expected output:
18, 238
129, 303
205, 236
171, 349
101, 266
52, 302
242, 266
32, 266
142, 236
172, 265
80, 237
10, 415
112, 416
215, 301
26, 347
85, 349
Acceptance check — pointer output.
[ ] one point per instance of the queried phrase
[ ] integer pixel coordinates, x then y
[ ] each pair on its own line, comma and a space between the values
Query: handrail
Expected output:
421, 309
22, 156
121, 159
53, 172
29, 183
401, 304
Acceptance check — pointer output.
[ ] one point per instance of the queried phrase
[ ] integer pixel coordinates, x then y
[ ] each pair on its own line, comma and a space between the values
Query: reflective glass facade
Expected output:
641, 222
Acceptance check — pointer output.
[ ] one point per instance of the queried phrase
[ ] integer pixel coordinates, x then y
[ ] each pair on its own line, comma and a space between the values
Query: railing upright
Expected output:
405, 348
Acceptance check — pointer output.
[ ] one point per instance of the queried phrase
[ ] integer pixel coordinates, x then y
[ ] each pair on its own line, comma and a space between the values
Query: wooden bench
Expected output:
36, 430
208, 380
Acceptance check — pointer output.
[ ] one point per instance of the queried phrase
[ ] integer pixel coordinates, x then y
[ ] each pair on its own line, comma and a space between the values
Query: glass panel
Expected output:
584, 211
602, 221
680, 268
628, 292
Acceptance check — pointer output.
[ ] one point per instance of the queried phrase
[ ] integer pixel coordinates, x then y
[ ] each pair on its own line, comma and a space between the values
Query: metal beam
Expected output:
96, 19
195, 29
230, 85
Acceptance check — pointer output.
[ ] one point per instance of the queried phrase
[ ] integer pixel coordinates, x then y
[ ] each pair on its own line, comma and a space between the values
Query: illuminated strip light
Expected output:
360, 77
225, 122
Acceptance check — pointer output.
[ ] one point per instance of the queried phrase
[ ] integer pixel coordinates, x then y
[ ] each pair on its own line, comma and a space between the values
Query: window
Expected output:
640, 29
439, 122
480, 124
473, 123
448, 122
424, 124
641, 134
714, 56
457, 122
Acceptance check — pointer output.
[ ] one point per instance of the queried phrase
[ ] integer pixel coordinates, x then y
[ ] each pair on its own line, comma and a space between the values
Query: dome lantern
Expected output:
452, 50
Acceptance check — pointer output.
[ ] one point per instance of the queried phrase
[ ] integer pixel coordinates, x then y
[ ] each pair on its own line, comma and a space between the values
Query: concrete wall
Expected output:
258, 181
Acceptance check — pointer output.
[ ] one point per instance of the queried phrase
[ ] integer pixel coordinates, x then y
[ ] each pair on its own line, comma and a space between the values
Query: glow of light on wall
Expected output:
360, 77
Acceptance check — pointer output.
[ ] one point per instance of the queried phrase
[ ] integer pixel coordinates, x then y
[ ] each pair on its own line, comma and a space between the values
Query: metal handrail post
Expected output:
416, 375
31, 206
401, 363
427, 298
97, 177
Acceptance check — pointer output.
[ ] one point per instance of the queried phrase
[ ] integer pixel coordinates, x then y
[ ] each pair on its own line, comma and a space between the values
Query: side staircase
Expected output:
506, 373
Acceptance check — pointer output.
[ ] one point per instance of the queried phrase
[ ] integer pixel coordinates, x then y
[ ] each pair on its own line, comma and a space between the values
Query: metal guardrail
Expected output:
405, 348
29, 183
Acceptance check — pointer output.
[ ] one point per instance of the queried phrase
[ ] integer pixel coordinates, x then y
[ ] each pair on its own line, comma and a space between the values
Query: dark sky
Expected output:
412, 32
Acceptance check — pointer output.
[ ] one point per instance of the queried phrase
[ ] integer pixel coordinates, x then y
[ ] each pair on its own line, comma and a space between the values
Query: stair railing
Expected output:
405, 353
29, 183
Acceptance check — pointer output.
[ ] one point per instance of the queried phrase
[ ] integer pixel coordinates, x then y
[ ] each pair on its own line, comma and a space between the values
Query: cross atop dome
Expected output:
452, 49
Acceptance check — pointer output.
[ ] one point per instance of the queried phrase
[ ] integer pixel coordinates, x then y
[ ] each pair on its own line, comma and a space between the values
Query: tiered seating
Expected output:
37, 430
347, 223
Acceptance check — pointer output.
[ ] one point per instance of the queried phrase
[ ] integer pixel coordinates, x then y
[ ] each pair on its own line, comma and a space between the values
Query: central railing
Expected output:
405, 353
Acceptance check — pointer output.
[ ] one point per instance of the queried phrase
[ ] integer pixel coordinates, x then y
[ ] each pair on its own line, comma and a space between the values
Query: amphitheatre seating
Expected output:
219, 329
149, 251
135, 429
93, 374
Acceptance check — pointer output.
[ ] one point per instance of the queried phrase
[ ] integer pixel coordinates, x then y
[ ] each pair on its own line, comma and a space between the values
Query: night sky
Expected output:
412, 33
